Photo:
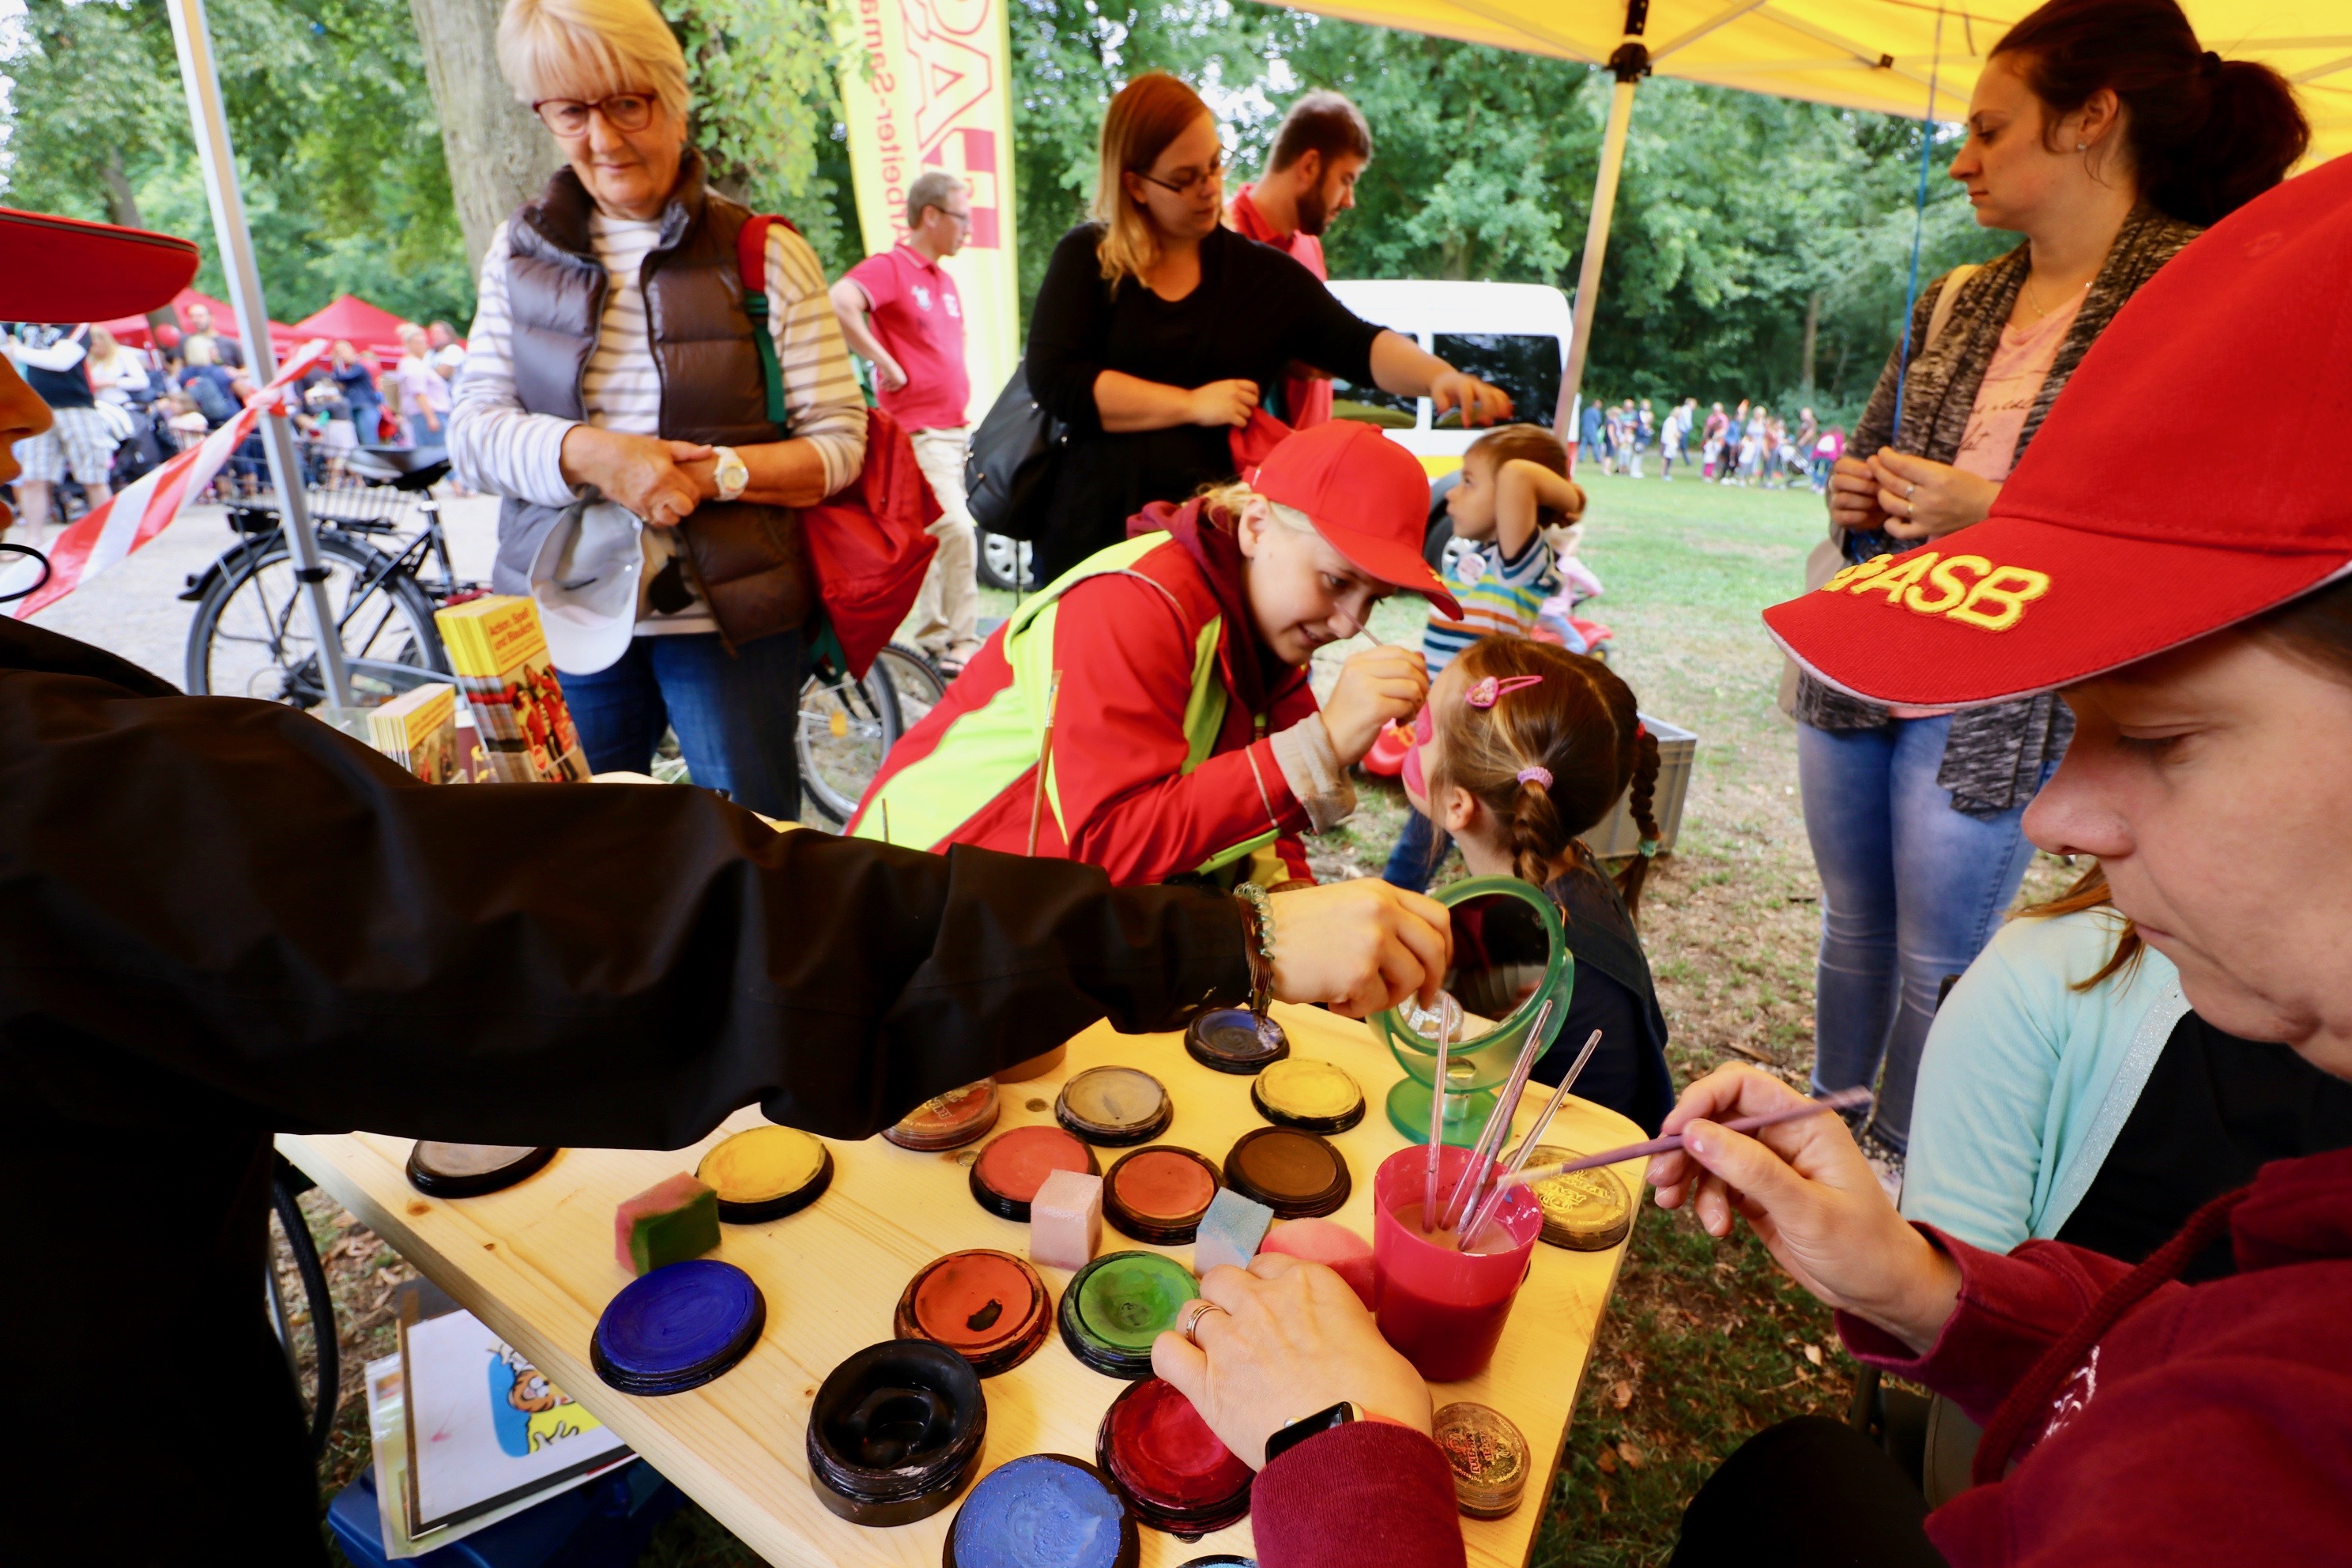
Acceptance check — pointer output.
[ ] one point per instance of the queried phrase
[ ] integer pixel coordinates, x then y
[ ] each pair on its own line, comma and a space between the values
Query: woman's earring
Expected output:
2082, 146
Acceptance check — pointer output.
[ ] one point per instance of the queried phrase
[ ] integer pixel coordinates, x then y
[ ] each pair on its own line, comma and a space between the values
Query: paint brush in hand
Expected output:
1844, 1100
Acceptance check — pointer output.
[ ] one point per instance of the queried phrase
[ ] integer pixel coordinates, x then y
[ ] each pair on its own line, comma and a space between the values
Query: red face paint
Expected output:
1013, 1167
1168, 1463
1159, 1194
988, 1307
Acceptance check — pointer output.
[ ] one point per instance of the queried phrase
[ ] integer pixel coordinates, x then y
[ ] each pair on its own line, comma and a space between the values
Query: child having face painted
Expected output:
1523, 747
1514, 491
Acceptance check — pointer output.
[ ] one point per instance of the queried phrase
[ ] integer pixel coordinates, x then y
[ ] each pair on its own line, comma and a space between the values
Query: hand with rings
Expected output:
1923, 499
1280, 1340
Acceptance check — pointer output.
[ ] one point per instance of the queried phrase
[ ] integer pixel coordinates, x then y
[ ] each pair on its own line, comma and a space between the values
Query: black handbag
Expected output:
1008, 473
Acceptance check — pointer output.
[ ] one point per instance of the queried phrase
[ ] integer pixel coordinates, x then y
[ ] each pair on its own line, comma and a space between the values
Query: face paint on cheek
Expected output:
1416, 786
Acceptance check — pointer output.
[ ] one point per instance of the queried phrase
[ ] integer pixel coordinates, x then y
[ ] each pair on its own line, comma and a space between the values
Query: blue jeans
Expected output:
1911, 891
735, 715
1419, 847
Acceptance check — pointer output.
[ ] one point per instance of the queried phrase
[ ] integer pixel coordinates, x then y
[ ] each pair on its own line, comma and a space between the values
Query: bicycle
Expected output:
252, 634
847, 727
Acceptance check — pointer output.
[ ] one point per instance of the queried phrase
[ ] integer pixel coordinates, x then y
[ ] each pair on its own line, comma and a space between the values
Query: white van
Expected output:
1514, 335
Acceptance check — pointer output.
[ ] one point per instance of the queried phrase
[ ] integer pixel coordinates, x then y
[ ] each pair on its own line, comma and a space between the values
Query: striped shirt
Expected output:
1499, 597
496, 446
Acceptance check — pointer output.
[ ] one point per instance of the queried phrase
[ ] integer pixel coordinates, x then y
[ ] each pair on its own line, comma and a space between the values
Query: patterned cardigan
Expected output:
1995, 755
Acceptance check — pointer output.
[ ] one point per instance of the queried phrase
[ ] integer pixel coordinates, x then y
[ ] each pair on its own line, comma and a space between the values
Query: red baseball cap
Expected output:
2180, 484
63, 269
1367, 496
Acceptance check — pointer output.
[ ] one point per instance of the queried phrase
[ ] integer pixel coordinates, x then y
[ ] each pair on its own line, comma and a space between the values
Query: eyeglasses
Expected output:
624, 111
1189, 182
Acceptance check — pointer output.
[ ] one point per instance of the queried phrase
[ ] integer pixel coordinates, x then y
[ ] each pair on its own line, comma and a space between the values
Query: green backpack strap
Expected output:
752, 262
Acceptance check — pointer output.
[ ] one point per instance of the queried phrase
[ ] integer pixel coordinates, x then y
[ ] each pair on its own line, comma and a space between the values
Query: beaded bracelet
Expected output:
1258, 942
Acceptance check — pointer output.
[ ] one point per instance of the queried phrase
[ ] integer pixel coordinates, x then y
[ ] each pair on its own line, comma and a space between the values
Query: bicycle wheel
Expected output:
252, 634
847, 728
915, 682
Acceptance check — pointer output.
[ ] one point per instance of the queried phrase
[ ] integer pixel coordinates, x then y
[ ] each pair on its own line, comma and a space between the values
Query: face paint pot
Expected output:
1294, 1174
896, 1432
949, 1121
765, 1172
469, 1170
678, 1326
1172, 1471
988, 1307
1115, 1306
1234, 1040
1015, 1165
1115, 1106
1043, 1511
1442, 1307
1488, 1455
1160, 1193
1312, 1096
1584, 1211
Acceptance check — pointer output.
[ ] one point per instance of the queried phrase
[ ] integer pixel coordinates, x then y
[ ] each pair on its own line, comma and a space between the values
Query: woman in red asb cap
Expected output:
1184, 738
188, 967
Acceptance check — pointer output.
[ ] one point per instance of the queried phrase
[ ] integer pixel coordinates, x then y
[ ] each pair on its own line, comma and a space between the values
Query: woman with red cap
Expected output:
1150, 710
224, 920
2130, 1418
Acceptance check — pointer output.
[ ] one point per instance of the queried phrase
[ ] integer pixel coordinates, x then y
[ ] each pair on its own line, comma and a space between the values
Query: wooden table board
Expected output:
535, 1263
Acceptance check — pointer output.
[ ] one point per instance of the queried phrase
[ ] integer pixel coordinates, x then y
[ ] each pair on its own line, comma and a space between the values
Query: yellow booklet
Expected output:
502, 664
418, 730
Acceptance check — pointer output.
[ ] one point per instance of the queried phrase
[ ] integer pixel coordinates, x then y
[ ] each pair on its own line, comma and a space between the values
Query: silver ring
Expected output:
1910, 490
1189, 1315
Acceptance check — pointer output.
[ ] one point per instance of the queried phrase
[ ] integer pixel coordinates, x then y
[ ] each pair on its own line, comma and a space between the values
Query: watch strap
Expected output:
1290, 1433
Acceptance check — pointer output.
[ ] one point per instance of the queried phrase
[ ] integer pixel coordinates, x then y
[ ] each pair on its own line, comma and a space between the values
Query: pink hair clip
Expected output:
1484, 694
1539, 777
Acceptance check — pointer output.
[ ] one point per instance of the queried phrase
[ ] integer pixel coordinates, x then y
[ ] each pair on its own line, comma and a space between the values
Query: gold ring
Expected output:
1189, 1315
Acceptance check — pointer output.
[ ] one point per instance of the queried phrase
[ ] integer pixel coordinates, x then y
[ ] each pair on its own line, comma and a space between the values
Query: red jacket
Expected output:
2211, 1424
1129, 794
1305, 393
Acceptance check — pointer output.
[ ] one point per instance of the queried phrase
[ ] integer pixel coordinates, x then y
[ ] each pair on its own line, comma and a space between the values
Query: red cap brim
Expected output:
65, 270
1392, 563
2011, 607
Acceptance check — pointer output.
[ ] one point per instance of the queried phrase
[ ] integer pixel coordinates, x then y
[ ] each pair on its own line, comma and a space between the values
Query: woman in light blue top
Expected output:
2027, 1080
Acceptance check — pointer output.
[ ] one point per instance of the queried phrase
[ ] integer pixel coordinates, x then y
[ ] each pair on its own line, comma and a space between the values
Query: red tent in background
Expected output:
133, 332
372, 329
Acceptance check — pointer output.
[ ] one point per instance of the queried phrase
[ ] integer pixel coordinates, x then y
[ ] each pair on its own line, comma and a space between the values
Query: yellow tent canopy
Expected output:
1877, 55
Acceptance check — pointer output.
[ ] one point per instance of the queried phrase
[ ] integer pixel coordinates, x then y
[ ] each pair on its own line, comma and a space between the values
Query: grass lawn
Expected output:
1704, 1344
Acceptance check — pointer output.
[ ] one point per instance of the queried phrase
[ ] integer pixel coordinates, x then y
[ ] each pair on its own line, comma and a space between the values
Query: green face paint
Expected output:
1118, 1304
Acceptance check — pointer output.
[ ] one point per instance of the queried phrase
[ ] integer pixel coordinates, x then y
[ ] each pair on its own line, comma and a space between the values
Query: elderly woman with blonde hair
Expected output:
616, 394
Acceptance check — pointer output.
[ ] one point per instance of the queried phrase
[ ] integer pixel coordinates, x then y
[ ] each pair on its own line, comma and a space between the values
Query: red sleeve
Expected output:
1126, 659
1366, 1495
2012, 1309
878, 276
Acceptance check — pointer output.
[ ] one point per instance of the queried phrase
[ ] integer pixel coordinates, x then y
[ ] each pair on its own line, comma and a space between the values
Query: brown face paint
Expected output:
1294, 1174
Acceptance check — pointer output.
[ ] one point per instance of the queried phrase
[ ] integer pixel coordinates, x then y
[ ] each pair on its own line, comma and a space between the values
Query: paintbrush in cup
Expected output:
1844, 1100
1486, 1211
1499, 1120
1446, 1020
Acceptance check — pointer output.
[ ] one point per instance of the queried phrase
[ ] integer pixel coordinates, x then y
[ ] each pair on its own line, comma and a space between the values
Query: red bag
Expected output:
869, 542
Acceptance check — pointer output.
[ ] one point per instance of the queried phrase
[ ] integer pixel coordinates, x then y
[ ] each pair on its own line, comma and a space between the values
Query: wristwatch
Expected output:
1290, 1433
732, 475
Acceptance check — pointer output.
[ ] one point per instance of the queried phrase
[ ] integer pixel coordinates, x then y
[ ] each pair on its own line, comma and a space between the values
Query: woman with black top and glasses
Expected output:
1158, 331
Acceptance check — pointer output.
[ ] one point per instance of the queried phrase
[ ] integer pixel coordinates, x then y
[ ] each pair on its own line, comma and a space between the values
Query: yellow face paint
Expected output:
761, 1166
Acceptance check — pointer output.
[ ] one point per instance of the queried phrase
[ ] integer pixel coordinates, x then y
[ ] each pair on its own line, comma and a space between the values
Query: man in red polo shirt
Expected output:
901, 311
1322, 147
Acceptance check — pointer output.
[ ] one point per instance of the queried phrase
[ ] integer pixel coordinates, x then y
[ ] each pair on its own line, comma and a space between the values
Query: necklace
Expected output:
2025, 290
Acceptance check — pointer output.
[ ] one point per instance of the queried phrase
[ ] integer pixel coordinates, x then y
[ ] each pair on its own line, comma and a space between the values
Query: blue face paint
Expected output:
678, 1326
1043, 1511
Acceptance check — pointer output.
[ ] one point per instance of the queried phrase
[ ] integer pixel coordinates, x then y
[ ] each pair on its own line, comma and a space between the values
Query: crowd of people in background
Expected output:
1750, 445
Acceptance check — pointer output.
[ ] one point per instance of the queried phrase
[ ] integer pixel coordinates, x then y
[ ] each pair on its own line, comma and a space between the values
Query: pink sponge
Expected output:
669, 1221
1327, 1242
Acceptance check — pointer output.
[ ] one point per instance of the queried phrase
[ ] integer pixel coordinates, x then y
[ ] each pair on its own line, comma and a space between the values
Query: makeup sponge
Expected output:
1066, 1220
667, 1223
1331, 1243
1230, 1232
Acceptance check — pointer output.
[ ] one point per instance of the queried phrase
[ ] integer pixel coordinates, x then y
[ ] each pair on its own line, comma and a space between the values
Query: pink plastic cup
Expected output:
1443, 1309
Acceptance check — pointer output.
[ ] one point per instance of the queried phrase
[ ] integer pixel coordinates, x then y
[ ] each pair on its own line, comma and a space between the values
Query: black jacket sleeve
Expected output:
1304, 318
1067, 330
223, 908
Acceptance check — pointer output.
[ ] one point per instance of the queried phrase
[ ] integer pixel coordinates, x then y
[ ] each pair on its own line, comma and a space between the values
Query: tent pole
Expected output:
1631, 63
201, 78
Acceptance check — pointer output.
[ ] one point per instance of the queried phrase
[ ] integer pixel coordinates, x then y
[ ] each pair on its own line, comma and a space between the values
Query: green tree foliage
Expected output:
1736, 217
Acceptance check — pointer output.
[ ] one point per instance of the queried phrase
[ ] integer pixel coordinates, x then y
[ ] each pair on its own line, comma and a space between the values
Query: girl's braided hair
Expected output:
1579, 725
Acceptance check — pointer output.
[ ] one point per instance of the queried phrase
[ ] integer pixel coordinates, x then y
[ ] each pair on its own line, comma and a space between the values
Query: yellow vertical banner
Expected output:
926, 84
